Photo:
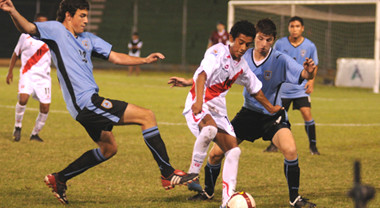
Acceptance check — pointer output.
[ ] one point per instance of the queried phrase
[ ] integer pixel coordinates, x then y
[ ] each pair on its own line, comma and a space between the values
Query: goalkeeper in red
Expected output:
205, 108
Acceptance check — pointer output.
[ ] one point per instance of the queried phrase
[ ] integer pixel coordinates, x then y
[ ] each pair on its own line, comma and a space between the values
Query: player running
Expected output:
34, 80
72, 49
205, 109
253, 121
299, 48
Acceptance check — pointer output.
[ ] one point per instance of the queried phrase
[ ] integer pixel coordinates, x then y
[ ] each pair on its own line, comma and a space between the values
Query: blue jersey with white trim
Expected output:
305, 50
275, 70
72, 57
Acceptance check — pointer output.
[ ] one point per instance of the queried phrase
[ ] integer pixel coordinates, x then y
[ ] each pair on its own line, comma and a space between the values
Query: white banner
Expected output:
355, 72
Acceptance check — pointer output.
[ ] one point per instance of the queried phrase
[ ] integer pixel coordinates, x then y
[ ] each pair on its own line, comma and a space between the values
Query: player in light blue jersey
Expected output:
252, 122
299, 48
72, 49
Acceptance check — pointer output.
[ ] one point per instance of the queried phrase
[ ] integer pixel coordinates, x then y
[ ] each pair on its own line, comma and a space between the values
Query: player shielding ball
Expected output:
72, 49
34, 80
254, 121
299, 48
205, 109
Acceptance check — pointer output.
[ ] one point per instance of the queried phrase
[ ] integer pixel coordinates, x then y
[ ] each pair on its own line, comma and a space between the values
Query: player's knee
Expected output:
209, 132
290, 152
44, 109
110, 150
233, 154
23, 101
149, 116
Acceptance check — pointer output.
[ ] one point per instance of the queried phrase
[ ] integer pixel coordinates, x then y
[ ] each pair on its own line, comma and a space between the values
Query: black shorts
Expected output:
297, 102
250, 125
101, 115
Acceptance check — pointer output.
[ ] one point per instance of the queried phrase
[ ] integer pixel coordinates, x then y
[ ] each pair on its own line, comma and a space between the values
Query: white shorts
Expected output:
41, 90
222, 122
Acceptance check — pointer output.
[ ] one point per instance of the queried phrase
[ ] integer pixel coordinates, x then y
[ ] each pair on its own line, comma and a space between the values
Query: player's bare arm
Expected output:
199, 89
310, 84
180, 82
259, 96
308, 69
11, 66
20, 22
124, 59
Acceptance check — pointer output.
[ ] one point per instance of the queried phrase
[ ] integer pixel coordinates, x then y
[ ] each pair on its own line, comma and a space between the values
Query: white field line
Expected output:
184, 124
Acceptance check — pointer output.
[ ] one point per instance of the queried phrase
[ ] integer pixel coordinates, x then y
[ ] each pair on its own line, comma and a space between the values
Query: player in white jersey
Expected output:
134, 47
299, 48
205, 109
34, 80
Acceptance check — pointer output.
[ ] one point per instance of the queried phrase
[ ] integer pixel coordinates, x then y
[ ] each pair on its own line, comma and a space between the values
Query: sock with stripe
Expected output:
19, 114
292, 174
153, 140
87, 160
211, 175
310, 131
230, 170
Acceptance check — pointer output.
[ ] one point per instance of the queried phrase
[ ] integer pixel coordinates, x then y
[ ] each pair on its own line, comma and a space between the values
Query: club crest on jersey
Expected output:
214, 52
267, 75
303, 52
227, 66
85, 44
106, 104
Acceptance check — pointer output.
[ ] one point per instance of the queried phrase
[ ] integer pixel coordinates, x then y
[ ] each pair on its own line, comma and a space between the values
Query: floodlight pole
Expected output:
377, 48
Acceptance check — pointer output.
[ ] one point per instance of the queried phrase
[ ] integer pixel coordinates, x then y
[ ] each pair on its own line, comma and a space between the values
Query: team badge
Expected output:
215, 52
303, 52
106, 104
85, 44
227, 66
267, 75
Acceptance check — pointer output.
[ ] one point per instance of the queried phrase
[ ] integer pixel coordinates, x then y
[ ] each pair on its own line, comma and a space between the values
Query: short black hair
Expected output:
38, 15
70, 6
296, 18
243, 27
267, 27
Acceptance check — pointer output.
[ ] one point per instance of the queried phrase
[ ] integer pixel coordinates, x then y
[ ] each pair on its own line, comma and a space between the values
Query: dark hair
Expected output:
243, 27
39, 15
70, 6
267, 27
296, 18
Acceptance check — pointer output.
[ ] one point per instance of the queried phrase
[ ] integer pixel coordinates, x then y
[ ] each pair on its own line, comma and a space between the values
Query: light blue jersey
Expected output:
72, 57
305, 50
277, 69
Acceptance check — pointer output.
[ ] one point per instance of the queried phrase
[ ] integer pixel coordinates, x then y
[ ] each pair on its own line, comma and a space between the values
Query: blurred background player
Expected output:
34, 80
220, 35
299, 48
134, 47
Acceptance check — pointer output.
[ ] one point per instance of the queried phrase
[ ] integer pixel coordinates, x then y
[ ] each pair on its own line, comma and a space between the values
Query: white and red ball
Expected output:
241, 200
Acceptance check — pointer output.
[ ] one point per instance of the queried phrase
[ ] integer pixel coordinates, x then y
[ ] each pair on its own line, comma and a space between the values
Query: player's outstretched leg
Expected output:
285, 142
144, 117
230, 170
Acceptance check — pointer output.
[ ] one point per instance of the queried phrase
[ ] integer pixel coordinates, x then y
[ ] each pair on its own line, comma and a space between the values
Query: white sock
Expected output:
19, 114
40, 122
201, 145
230, 170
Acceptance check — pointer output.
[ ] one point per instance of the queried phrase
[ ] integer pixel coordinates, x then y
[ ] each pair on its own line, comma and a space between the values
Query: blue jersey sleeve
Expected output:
314, 54
100, 48
49, 30
293, 70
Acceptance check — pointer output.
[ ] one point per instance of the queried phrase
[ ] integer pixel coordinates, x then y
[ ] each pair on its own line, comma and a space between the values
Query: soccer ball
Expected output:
241, 200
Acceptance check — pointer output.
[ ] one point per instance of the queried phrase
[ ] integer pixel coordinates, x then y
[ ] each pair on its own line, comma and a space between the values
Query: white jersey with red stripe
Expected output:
222, 71
35, 58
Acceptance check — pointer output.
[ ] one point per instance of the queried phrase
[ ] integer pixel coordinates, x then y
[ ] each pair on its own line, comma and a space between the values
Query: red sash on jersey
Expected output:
217, 89
35, 58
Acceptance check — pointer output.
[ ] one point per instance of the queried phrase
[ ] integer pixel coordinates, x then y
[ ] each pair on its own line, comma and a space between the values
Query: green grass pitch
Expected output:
348, 128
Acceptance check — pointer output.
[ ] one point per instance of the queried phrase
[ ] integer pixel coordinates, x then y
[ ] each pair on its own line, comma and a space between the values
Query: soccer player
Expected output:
34, 80
72, 49
253, 121
299, 48
134, 47
205, 109
219, 35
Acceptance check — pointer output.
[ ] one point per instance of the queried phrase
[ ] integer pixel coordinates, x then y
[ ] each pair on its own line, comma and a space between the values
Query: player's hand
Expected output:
6, 5
154, 57
309, 65
309, 87
9, 78
197, 108
179, 82
275, 109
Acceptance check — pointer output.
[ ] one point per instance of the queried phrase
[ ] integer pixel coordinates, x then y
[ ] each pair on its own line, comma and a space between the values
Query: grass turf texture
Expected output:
131, 178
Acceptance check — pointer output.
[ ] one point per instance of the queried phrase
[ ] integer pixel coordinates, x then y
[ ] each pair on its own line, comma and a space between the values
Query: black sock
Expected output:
292, 174
310, 131
157, 147
211, 174
87, 160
